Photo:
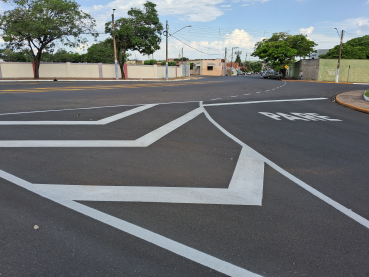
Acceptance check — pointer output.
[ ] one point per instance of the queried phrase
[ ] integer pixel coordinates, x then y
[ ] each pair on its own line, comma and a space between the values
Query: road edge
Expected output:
350, 106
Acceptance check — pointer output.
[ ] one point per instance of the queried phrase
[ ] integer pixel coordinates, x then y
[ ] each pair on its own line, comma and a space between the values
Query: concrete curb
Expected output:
350, 106
365, 97
320, 82
94, 80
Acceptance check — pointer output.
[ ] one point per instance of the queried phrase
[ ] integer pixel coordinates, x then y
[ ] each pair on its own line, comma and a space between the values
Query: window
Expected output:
210, 68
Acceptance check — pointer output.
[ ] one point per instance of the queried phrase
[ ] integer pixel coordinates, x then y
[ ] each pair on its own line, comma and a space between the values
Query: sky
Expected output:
219, 24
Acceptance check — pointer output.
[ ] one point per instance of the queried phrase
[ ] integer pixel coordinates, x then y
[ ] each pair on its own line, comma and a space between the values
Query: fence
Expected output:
88, 70
356, 71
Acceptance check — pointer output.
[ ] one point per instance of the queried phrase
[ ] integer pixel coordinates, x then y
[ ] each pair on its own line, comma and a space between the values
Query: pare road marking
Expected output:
299, 116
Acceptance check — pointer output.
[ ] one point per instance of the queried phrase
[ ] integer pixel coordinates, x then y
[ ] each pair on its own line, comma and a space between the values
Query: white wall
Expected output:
84, 70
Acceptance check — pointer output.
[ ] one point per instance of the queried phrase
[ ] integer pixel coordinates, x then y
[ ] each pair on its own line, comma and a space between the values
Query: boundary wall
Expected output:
355, 71
89, 70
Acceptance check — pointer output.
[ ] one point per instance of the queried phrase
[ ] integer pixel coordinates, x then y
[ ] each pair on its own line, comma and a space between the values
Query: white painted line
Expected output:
264, 101
143, 141
266, 90
234, 96
245, 188
258, 92
103, 121
348, 212
101, 107
134, 230
216, 99
247, 94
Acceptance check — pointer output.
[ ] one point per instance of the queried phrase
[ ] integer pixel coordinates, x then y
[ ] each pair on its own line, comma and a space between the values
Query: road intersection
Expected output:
223, 153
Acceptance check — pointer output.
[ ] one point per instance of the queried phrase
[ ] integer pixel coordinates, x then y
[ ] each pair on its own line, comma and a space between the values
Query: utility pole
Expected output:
232, 62
166, 65
339, 58
115, 49
182, 63
232, 59
225, 62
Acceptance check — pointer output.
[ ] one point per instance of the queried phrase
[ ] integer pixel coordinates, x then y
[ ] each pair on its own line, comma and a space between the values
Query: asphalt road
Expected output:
236, 176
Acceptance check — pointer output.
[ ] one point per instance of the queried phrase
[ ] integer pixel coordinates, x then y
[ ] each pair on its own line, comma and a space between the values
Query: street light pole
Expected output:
166, 59
115, 49
339, 58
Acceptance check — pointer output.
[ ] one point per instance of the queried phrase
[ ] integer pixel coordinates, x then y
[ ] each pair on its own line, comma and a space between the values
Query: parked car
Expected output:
248, 73
272, 75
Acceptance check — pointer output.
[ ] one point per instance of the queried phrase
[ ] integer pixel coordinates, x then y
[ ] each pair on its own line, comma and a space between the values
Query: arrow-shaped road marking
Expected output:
143, 141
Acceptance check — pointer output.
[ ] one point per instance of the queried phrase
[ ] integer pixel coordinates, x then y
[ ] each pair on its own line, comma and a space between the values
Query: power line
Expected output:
194, 48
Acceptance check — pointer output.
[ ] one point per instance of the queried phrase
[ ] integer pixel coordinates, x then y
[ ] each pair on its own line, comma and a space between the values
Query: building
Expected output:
212, 67
315, 56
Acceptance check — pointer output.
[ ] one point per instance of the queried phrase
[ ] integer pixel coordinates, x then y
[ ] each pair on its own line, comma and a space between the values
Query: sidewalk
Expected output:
321, 82
354, 100
96, 79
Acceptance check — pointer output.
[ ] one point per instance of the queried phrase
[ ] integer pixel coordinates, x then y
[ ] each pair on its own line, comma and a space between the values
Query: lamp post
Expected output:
166, 34
339, 57
115, 48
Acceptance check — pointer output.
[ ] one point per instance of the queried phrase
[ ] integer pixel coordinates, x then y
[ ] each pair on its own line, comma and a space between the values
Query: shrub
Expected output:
147, 62
172, 63
152, 62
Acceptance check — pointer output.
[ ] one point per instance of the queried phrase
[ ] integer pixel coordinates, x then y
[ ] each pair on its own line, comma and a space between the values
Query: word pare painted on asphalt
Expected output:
299, 116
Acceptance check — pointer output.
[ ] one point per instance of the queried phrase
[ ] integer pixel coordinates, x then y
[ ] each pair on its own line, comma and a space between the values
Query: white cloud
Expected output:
201, 10
307, 31
367, 2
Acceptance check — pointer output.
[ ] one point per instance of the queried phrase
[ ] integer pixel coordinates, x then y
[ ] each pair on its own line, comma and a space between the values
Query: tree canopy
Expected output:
282, 49
357, 48
140, 31
101, 52
39, 24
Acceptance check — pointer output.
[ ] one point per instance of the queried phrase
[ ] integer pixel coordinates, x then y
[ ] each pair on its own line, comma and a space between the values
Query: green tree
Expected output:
140, 31
39, 24
357, 48
101, 52
238, 59
282, 49
256, 66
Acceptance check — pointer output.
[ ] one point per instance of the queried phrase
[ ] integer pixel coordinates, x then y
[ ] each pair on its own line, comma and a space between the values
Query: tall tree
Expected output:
282, 49
357, 48
140, 31
39, 24
238, 59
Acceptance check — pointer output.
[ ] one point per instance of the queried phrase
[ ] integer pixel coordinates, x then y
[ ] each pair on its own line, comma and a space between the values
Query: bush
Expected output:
191, 66
147, 62
172, 63
152, 62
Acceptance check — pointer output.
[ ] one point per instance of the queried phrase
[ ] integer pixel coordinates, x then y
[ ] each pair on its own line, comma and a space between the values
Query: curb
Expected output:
94, 80
350, 106
321, 82
365, 97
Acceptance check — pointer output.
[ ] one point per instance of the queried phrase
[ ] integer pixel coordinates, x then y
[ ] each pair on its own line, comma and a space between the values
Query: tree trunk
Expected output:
121, 64
36, 64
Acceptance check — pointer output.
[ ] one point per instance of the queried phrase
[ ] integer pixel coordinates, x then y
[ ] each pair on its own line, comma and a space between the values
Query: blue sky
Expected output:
217, 24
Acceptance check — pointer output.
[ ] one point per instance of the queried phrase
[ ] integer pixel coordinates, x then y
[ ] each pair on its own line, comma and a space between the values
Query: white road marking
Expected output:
234, 96
247, 94
103, 121
264, 101
100, 107
216, 99
143, 141
134, 230
258, 92
245, 188
266, 90
348, 212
